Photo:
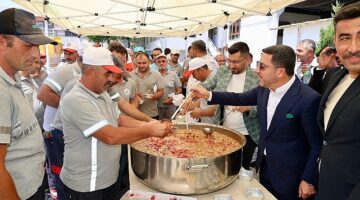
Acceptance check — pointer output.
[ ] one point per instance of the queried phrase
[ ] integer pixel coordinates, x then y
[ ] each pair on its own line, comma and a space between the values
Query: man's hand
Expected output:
304, 68
196, 113
168, 101
242, 109
200, 92
306, 190
160, 129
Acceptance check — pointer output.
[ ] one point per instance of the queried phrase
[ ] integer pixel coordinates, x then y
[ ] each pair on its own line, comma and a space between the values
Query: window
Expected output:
234, 32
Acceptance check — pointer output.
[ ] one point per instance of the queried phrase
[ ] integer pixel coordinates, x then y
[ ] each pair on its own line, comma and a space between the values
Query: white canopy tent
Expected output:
148, 18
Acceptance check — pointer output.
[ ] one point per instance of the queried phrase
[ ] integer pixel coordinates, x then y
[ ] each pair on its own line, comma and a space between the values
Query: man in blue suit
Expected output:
290, 139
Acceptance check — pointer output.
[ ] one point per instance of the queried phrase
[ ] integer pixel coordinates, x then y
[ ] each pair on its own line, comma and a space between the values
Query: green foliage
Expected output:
327, 34
102, 39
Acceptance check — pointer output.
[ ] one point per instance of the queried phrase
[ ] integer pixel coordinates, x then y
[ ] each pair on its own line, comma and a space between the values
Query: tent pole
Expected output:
47, 45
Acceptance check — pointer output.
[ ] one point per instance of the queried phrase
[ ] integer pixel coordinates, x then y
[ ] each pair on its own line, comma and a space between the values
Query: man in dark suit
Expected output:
290, 139
339, 115
328, 65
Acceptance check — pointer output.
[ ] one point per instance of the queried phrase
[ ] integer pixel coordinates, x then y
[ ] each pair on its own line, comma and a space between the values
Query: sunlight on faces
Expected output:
21, 55
175, 57
267, 72
220, 59
237, 63
142, 62
102, 78
302, 53
161, 63
70, 57
155, 53
116, 78
347, 42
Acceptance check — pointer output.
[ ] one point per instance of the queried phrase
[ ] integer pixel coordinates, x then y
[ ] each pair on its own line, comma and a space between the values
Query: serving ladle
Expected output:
209, 130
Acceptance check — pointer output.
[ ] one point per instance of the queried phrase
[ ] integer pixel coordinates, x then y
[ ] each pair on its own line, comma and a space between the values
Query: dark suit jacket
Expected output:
340, 155
320, 79
293, 140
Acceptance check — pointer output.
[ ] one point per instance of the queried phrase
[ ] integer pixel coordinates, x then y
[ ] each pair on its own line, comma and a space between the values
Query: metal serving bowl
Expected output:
189, 175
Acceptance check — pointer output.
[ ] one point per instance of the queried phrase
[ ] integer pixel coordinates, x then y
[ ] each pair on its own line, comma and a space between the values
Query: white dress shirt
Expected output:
274, 100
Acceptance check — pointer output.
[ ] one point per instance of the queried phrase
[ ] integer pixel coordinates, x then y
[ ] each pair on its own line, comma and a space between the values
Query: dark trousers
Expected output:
55, 149
248, 152
266, 182
109, 193
123, 179
40, 193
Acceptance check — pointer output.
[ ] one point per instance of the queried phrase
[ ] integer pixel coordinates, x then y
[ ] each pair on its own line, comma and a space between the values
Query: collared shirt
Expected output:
57, 81
300, 75
150, 83
30, 89
275, 98
68, 87
172, 82
127, 89
89, 164
177, 68
21, 132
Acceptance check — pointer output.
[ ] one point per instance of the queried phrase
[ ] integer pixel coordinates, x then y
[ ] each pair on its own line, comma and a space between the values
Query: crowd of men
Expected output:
302, 119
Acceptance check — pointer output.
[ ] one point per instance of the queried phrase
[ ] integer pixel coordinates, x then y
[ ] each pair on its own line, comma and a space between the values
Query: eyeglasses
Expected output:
261, 65
161, 61
235, 62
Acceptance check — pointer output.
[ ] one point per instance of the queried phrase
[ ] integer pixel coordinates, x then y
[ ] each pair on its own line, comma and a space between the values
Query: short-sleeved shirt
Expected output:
126, 90
57, 81
172, 82
151, 79
69, 86
20, 131
30, 89
178, 69
89, 164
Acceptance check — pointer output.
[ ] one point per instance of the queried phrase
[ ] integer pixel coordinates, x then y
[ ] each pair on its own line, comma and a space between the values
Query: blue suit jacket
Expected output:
293, 140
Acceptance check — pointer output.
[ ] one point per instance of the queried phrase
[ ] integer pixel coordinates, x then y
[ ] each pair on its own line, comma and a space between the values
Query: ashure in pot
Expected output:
189, 175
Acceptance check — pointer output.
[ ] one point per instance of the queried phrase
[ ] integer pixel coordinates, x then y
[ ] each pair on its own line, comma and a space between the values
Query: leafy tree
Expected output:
102, 39
327, 34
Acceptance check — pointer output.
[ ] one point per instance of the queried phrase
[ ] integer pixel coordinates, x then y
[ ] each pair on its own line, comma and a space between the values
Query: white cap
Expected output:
71, 47
175, 51
161, 55
100, 56
196, 63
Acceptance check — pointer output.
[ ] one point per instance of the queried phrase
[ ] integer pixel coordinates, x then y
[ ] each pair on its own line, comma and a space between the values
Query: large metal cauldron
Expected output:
189, 175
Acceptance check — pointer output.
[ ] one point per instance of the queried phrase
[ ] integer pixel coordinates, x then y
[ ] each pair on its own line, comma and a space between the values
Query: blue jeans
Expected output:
55, 148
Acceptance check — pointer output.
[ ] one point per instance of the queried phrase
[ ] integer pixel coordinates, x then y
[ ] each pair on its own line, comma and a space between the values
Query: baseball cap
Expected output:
22, 24
71, 47
161, 55
100, 56
175, 51
194, 64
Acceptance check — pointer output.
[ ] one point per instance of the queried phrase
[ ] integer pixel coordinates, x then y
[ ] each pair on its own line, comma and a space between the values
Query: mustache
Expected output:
349, 54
